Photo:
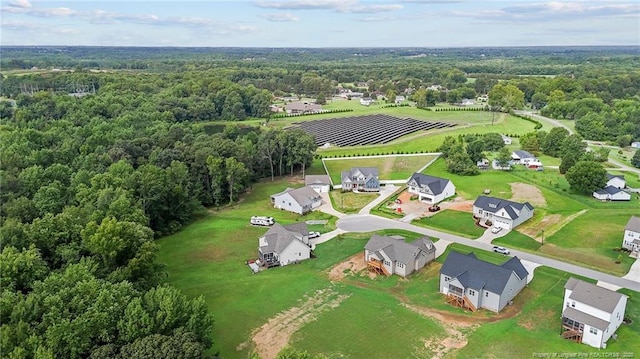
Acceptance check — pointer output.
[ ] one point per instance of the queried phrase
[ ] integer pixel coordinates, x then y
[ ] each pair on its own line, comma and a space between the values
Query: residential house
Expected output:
300, 200
611, 193
393, 255
302, 107
400, 99
467, 102
483, 164
635, 144
631, 240
351, 94
482, 98
320, 183
506, 139
497, 166
430, 189
283, 245
522, 157
591, 314
366, 101
361, 179
471, 283
616, 181
501, 212
436, 88
535, 165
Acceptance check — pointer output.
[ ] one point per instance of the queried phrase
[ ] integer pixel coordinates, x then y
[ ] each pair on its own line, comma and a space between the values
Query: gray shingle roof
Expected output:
585, 318
493, 205
609, 190
523, 154
304, 195
593, 295
299, 228
277, 238
435, 184
398, 249
316, 180
478, 274
610, 176
633, 224
366, 172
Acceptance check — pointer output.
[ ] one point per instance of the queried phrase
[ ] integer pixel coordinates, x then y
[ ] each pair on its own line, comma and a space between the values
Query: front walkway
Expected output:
634, 272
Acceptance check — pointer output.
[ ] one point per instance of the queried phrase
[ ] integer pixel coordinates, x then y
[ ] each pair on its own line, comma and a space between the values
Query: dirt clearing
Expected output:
522, 192
273, 336
352, 265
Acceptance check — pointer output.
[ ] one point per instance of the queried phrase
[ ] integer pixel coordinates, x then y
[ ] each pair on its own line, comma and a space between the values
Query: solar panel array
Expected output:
365, 130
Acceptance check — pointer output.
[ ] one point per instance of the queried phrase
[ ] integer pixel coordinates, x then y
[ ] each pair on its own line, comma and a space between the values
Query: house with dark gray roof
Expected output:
283, 245
393, 255
501, 212
320, 183
616, 181
611, 193
430, 189
300, 200
363, 179
302, 107
522, 157
631, 239
471, 283
591, 314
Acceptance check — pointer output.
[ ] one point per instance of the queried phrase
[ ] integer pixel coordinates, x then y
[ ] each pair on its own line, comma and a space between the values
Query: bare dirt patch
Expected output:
458, 204
352, 265
274, 335
522, 192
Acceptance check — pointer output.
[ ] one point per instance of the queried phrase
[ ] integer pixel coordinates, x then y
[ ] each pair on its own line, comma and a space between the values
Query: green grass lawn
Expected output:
451, 221
399, 167
349, 202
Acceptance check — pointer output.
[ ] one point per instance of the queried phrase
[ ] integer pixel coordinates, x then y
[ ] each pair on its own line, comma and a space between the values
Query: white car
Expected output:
314, 235
496, 229
502, 250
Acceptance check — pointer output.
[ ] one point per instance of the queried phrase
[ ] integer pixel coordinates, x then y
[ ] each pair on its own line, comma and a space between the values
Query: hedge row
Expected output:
441, 109
283, 115
538, 125
320, 156
396, 105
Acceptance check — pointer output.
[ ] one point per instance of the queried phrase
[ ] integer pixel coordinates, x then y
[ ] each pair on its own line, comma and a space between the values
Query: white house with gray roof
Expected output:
522, 157
393, 255
430, 189
616, 181
631, 240
611, 193
283, 245
320, 183
501, 212
471, 283
363, 179
300, 200
591, 314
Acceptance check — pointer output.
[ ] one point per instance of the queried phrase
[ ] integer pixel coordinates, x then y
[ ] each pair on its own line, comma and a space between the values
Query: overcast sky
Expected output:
320, 23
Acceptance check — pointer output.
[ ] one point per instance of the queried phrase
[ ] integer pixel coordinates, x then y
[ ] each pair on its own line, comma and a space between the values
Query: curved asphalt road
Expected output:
368, 223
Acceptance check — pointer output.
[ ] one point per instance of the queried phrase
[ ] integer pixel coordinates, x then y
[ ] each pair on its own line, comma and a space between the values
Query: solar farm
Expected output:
365, 130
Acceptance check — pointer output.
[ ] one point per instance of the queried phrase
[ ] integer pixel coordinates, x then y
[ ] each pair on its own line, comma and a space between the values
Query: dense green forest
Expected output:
106, 149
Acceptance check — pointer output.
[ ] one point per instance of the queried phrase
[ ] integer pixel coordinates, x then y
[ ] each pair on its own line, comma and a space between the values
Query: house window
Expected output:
593, 330
446, 279
400, 265
486, 294
472, 293
387, 263
573, 304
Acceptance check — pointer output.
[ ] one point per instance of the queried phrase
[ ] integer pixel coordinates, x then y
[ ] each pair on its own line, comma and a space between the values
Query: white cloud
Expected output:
342, 6
280, 17
371, 9
24, 4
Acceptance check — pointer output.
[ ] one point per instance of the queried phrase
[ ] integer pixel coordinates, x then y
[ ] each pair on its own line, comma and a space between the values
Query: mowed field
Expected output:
395, 167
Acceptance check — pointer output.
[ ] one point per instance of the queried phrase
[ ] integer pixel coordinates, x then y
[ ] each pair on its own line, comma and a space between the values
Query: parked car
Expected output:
496, 229
314, 235
434, 208
499, 249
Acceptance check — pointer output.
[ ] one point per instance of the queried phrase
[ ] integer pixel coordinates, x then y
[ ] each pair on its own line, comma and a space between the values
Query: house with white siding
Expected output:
320, 183
300, 200
591, 314
393, 255
501, 212
471, 283
430, 189
631, 239
522, 157
283, 245
616, 181
611, 193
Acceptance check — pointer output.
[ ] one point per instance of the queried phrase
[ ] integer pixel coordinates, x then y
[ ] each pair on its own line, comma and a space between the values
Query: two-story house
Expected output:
591, 314
631, 239
501, 212
363, 179
616, 181
471, 283
393, 255
430, 189
522, 157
